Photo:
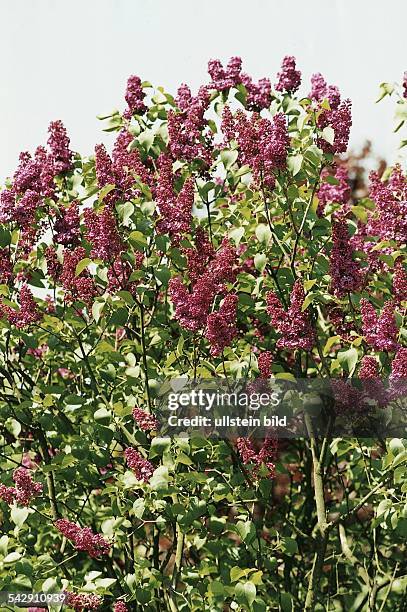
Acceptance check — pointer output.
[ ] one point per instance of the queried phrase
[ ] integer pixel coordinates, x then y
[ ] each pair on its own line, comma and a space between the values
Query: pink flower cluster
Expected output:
175, 209
346, 276
265, 361
82, 601
142, 468
289, 79
144, 420
120, 272
320, 91
102, 234
390, 220
263, 144
380, 332
83, 538
28, 312
369, 367
293, 325
32, 182
225, 78
199, 256
54, 267
187, 139
258, 94
58, 143
121, 170
399, 364
120, 606
25, 488
266, 456
399, 282
339, 193
340, 120
221, 325
191, 308
373, 385
6, 267
134, 97
66, 227
398, 376
127, 166
77, 287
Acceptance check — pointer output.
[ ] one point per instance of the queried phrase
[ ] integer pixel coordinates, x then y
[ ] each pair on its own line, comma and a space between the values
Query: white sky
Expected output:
70, 59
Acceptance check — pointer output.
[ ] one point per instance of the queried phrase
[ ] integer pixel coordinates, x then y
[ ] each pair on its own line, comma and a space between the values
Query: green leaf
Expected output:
360, 213
160, 479
138, 240
228, 158
260, 261
309, 298
105, 190
263, 233
386, 89
81, 265
294, 164
139, 507
382, 508
97, 309
5, 237
19, 515
245, 593
146, 139
289, 546
12, 557
330, 343
331, 180
236, 235
159, 446
328, 134
125, 211
238, 572
348, 360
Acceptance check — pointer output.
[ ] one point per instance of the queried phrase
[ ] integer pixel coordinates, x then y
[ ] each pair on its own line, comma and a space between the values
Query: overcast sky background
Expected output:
70, 60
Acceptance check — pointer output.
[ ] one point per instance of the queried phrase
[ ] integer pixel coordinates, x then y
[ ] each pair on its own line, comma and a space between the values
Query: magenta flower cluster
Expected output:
82, 601
263, 143
289, 79
28, 312
77, 286
320, 91
188, 137
333, 193
389, 221
102, 234
221, 325
294, 325
83, 538
175, 209
254, 460
145, 420
380, 332
32, 183
134, 97
25, 488
141, 467
346, 275
192, 307
265, 361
